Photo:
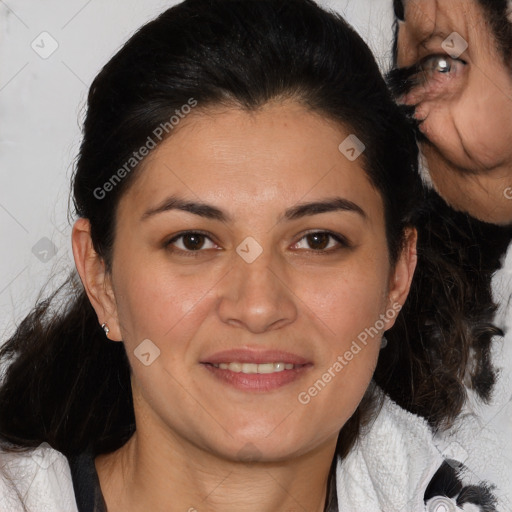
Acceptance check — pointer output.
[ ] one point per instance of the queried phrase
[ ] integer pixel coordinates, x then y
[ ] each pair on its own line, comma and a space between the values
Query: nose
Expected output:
257, 296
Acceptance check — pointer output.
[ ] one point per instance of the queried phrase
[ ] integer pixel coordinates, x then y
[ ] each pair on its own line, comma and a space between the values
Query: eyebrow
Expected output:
334, 204
296, 212
197, 208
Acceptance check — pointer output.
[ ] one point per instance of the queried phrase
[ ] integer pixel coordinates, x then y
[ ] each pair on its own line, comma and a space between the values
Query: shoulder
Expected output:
36, 480
396, 465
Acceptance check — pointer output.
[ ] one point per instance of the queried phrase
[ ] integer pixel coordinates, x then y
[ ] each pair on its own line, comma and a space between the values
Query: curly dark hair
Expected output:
447, 318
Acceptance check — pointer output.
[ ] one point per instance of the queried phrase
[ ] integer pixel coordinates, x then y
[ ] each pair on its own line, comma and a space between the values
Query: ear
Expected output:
402, 274
95, 278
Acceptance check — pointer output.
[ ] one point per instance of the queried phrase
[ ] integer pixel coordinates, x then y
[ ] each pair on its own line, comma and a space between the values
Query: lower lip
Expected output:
257, 381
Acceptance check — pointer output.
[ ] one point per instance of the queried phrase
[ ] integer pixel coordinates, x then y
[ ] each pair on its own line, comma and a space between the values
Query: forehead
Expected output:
281, 154
428, 24
435, 15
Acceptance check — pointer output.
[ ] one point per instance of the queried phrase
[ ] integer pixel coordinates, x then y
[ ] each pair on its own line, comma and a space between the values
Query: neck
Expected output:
159, 470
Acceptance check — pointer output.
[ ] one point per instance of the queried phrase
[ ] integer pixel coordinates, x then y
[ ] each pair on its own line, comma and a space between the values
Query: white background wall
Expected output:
41, 102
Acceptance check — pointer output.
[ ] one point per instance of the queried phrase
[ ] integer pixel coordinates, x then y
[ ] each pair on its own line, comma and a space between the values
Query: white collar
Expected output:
390, 466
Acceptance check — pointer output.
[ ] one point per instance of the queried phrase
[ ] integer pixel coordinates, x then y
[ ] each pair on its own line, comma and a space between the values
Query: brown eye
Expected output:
321, 241
191, 242
318, 241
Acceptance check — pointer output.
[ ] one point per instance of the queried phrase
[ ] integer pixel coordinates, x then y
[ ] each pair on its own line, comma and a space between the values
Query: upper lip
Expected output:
256, 356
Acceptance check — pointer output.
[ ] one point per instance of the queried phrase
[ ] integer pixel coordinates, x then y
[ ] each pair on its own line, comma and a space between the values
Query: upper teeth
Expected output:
255, 368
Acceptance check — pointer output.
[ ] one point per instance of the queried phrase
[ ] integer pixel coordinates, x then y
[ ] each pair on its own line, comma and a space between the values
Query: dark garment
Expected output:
86, 483
331, 503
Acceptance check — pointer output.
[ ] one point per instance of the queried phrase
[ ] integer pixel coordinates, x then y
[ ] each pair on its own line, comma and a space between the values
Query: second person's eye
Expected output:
439, 65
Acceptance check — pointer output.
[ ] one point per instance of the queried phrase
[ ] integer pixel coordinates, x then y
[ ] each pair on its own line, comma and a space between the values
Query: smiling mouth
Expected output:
260, 376
261, 368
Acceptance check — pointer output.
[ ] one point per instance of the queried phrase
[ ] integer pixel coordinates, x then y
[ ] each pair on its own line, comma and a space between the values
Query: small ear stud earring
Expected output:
105, 328
383, 343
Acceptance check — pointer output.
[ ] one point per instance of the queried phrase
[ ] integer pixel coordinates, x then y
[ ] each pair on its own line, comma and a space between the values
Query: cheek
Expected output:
472, 132
346, 301
352, 303
336, 387
484, 125
439, 128
156, 301
459, 135
346, 306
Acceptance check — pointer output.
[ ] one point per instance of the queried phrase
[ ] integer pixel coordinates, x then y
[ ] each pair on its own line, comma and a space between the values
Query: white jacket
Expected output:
394, 463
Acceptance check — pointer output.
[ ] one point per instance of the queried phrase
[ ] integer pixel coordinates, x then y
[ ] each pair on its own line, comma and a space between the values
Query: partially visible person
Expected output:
454, 65
453, 69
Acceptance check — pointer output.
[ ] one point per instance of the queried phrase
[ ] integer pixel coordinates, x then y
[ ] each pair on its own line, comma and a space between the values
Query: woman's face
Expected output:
464, 103
250, 240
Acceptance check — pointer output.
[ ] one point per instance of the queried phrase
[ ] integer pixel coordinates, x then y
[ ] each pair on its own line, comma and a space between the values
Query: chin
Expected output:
268, 448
